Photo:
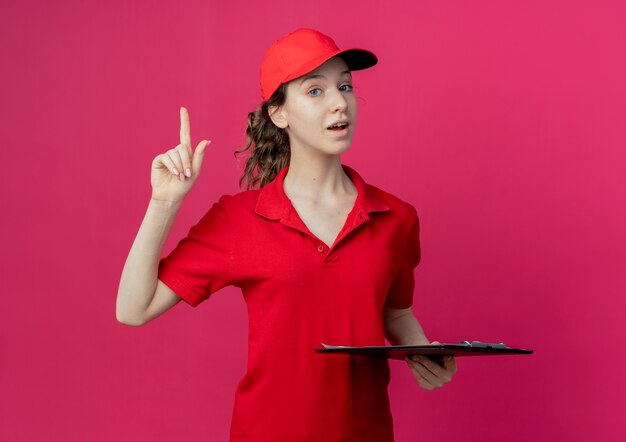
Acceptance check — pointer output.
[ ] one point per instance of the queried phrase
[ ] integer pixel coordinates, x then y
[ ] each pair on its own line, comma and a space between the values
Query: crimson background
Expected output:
502, 122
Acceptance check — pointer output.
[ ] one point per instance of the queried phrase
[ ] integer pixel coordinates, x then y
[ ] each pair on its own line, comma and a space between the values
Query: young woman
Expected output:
320, 256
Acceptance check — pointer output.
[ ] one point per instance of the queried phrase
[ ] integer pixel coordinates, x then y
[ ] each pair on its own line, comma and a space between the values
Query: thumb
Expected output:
198, 156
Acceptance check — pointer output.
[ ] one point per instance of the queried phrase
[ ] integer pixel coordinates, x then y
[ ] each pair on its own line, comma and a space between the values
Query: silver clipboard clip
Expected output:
478, 344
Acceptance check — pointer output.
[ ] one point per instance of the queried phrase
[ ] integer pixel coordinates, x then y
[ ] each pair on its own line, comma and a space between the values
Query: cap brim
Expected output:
356, 59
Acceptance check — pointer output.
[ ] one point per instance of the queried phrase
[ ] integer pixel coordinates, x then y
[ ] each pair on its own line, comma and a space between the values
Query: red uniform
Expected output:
300, 293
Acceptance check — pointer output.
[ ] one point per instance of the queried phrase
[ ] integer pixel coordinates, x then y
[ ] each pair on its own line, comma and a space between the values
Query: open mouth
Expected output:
338, 127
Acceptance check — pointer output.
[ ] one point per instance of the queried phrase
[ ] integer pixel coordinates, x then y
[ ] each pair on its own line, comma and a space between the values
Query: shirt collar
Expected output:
273, 203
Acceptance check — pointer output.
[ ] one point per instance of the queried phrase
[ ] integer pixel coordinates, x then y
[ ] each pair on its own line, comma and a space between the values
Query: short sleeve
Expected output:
400, 293
201, 262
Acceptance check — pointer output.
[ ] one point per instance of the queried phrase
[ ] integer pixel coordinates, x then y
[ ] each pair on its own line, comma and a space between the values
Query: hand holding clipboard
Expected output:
463, 348
432, 365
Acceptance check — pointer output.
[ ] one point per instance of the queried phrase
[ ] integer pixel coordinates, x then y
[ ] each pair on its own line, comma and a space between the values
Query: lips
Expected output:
339, 125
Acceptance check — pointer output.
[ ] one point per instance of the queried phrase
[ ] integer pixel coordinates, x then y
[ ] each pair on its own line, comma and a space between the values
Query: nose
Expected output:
338, 101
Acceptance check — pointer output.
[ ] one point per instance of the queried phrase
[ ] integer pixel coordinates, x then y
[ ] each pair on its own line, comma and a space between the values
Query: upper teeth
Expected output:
339, 124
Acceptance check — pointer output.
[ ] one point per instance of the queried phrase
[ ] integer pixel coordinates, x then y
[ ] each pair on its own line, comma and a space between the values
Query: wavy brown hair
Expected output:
269, 144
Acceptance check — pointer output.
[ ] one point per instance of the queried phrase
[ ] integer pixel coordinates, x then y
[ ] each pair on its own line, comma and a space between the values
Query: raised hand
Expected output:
175, 171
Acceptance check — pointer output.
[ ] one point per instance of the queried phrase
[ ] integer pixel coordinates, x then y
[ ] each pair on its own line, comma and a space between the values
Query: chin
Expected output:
334, 147
337, 149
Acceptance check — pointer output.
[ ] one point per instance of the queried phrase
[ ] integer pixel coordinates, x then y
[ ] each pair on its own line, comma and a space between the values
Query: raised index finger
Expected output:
185, 133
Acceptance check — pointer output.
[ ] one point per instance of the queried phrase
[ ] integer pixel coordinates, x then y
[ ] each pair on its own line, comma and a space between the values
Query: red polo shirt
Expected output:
300, 293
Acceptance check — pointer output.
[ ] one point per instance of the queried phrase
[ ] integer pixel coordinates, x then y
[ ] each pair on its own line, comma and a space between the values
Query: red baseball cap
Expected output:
302, 51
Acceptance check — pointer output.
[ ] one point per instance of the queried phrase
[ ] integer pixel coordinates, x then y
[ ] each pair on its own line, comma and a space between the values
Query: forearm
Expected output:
402, 328
140, 274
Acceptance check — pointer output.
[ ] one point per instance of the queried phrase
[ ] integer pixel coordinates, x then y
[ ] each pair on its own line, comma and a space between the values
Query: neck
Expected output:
318, 178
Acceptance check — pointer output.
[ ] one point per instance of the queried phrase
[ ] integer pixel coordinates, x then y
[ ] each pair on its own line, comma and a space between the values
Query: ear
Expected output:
278, 116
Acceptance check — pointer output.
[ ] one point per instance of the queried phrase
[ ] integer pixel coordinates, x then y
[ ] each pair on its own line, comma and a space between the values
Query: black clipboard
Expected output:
464, 348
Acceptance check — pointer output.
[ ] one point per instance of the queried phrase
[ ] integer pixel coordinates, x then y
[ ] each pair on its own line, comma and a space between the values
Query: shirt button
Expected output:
320, 248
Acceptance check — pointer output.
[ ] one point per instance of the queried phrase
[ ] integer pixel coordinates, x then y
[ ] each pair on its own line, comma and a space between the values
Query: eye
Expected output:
313, 90
347, 86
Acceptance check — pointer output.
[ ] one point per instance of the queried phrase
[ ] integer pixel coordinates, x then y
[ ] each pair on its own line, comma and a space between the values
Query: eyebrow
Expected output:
308, 77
